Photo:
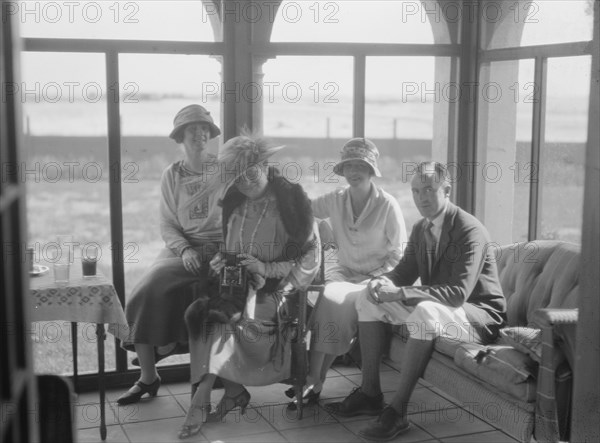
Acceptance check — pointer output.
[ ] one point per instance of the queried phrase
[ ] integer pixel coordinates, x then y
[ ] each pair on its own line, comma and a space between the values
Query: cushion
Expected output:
447, 346
526, 340
538, 274
503, 367
505, 361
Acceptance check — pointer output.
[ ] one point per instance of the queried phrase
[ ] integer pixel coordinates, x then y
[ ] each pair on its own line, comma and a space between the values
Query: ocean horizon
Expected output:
566, 117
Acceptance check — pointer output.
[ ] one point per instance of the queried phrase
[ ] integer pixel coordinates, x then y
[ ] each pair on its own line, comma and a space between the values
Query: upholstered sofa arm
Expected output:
545, 318
550, 418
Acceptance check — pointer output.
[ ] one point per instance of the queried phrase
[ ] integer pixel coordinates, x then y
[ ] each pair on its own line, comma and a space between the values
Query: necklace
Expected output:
262, 215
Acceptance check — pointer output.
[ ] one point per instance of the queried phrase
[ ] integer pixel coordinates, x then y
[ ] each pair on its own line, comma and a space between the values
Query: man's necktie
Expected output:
430, 246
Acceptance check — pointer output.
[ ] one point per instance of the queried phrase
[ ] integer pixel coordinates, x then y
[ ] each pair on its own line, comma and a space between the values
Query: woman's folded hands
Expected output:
254, 266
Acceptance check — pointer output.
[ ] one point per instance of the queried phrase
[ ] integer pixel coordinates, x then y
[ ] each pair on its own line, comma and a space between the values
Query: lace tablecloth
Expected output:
88, 300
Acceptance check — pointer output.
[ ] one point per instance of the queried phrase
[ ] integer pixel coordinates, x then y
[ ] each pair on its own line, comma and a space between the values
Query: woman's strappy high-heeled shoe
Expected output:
310, 398
229, 403
188, 431
133, 397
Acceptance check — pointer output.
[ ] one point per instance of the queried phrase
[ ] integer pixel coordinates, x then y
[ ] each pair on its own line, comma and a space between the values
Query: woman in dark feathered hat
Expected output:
268, 224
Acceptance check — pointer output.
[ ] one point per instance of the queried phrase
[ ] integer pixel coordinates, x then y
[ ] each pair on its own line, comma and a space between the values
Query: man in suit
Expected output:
459, 298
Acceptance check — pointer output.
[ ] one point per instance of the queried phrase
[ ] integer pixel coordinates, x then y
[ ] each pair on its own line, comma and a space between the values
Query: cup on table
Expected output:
61, 273
60, 257
89, 258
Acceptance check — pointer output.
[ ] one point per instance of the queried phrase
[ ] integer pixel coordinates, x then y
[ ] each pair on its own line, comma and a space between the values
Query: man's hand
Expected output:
373, 290
382, 290
191, 261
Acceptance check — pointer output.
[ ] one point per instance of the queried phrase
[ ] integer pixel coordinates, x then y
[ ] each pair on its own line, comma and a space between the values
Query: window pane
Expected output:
563, 153
401, 96
308, 107
154, 87
131, 20
308, 96
147, 120
64, 93
514, 24
574, 18
503, 170
66, 178
366, 21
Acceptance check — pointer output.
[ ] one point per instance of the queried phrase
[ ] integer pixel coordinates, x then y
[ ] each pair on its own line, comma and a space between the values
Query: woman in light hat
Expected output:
190, 226
268, 224
369, 232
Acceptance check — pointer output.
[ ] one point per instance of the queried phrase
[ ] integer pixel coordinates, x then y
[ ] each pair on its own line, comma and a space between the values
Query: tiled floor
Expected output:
435, 418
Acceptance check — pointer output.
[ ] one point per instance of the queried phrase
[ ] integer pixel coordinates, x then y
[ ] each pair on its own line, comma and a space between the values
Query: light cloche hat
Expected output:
360, 149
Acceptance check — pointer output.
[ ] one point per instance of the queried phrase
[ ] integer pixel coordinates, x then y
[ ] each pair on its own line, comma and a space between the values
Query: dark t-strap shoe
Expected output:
357, 403
388, 426
131, 397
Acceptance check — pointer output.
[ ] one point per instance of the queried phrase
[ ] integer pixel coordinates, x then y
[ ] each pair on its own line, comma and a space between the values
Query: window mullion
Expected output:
115, 191
537, 141
358, 119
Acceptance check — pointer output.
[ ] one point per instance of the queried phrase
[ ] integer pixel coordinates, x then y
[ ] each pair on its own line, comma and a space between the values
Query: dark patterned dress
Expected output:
156, 306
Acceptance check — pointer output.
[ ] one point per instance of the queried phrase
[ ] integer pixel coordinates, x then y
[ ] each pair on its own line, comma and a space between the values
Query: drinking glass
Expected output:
89, 258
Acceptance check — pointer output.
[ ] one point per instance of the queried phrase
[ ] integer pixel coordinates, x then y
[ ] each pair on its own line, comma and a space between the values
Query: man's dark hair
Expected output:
437, 168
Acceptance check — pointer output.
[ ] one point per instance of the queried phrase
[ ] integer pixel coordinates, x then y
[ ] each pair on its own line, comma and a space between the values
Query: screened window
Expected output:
123, 20
66, 178
545, 130
574, 18
562, 156
356, 21
528, 23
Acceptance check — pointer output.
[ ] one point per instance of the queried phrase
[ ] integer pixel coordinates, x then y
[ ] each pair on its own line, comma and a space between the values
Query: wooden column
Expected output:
236, 68
243, 23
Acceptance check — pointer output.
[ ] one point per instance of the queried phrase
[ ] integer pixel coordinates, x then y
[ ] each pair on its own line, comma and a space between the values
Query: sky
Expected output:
326, 21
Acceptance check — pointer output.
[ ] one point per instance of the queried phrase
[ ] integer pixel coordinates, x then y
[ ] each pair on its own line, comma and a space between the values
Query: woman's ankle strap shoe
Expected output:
131, 397
311, 398
188, 431
229, 403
